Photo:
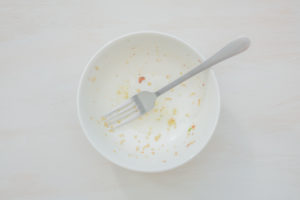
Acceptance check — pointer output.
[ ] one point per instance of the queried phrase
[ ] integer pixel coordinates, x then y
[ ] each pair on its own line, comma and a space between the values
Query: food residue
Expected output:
168, 99
187, 115
141, 79
149, 83
164, 161
122, 141
106, 124
174, 111
137, 148
121, 135
92, 79
190, 143
176, 153
138, 90
146, 146
191, 128
168, 76
96, 68
91, 118
203, 84
172, 122
199, 102
153, 153
156, 138
192, 94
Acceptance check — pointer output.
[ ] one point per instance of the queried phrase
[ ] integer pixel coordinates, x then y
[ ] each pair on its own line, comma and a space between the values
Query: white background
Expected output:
44, 46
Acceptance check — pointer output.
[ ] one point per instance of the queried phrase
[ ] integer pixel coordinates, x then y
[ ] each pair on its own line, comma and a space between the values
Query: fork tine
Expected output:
128, 119
123, 114
114, 111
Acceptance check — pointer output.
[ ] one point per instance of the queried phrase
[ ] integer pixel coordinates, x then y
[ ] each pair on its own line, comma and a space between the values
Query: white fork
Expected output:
144, 101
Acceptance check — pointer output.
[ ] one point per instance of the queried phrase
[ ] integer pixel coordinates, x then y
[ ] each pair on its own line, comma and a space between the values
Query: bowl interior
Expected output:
183, 119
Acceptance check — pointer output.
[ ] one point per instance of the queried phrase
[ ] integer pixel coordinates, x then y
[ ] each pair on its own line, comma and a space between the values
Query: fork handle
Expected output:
233, 48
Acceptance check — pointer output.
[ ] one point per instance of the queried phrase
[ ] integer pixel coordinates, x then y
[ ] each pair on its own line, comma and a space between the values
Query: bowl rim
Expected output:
107, 44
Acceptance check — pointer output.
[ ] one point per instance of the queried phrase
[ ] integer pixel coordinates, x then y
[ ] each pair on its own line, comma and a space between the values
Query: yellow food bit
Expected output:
183, 85
168, 99
92, 79
96, 68
106, 124
180, 73
127, 62
149, 83
137, 148
135, 137
102, 118
168, 76
146, 146
126, 95
174, 111
153, 153
172, 90
187, 115
189, 144
138, 90
156, 138
119, 92
199, 102
175, 153
111, 130
192, 94
162, 108
115, 151
121, 135
122, 141
155, 110
172, 122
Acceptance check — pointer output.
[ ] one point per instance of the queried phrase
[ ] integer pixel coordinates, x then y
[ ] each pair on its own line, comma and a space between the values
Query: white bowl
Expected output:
183, 119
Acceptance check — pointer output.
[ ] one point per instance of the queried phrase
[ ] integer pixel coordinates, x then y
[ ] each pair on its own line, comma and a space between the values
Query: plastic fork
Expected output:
144, 101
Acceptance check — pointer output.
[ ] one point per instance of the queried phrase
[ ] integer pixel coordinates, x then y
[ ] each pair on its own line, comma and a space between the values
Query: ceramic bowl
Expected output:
182, 121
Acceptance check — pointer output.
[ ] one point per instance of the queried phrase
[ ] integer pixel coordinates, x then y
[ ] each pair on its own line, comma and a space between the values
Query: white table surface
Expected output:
44, 46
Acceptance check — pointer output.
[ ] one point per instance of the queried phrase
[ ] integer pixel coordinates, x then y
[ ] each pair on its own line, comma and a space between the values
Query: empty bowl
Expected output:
182, 121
